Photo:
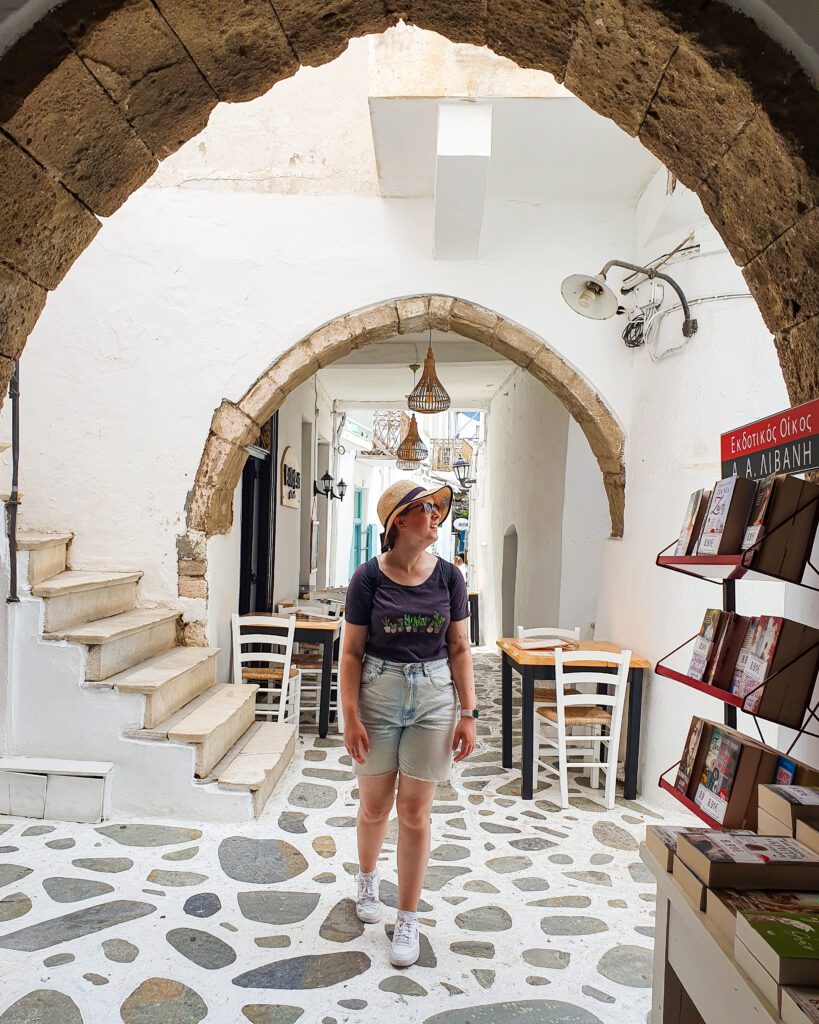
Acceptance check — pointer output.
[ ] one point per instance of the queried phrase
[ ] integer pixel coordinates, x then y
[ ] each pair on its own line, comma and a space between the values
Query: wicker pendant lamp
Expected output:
408, 464
412, 448
429, 394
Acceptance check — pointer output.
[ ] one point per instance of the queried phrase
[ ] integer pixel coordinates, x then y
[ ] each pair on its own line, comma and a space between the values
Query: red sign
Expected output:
787, 442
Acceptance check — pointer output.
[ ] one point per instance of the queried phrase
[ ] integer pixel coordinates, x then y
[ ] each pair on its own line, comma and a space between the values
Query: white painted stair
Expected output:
134, 652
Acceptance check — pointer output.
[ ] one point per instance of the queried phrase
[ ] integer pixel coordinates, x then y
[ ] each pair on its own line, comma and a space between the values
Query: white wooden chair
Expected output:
272, 637
307, 657
594, 711
545, 692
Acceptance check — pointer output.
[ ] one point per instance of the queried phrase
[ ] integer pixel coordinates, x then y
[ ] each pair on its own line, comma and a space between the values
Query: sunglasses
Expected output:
429, 507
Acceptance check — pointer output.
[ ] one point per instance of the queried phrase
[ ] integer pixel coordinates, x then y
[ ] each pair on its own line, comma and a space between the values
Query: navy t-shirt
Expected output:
406, 623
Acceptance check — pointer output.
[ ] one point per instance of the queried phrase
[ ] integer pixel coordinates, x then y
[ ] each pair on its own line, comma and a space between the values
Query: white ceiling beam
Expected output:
464, 151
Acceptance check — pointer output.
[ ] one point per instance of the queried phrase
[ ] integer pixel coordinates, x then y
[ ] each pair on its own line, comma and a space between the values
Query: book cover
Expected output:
684, 539
746, 648
724, 627
722, 905
743, 848
757, 660
726, 651
785, 772
727, 516
786, 944
704, 643
718, 773
692, 743
759, 508
800, 1005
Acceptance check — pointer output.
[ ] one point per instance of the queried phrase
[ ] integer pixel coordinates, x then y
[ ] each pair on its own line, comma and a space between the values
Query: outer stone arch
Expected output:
99, 90
235, 425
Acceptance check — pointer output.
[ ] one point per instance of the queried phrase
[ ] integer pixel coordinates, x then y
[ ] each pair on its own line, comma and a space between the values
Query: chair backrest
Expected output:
548, 631
270, 635
615, 682
325, 609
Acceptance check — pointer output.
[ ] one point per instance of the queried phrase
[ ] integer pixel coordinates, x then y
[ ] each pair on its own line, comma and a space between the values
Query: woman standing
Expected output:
406, 653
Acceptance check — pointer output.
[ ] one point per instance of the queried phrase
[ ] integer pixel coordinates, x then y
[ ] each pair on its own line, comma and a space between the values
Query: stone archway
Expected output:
235, 425
99, 90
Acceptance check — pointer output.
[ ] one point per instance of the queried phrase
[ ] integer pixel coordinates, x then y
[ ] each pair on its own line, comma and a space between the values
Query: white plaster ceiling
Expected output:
379, 376
542, 149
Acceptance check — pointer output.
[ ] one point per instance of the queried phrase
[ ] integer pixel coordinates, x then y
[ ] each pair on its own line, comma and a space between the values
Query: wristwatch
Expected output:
474, 713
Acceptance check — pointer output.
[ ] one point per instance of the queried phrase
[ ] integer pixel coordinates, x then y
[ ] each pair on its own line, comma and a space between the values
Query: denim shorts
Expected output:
409, 712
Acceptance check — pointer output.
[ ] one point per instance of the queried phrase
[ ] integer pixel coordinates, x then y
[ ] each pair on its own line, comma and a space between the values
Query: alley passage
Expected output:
528, 912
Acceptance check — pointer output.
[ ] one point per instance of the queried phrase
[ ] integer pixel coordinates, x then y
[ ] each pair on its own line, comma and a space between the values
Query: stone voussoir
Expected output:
797, 348
21, 302
234, 425
58, 112
413, 314
238, 44
319, 30
534, 35
132, 52
332, 341
440, 310
262, 399
471, 321
620, 51
462, 22
380, 322
515, 343
43, 228
784, 278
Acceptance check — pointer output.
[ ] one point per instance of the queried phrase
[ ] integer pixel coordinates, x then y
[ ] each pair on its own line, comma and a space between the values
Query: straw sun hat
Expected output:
403, 493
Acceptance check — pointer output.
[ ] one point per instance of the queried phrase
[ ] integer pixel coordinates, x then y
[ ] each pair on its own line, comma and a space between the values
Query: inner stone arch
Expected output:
237, 424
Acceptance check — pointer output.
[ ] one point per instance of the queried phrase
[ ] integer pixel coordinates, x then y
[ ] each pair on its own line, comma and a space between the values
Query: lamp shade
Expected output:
412, 448
429, 395
410, 465
589, 296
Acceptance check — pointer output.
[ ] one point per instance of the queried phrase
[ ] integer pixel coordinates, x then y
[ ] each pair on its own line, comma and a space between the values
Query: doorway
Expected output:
258, 530
509, 574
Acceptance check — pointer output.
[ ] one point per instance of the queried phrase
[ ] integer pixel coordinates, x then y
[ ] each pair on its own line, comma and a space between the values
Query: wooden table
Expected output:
325, 633
534, 665
691, 953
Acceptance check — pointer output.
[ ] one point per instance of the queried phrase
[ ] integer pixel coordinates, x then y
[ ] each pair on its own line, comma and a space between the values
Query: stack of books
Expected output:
783, 807
739, 653
775, 518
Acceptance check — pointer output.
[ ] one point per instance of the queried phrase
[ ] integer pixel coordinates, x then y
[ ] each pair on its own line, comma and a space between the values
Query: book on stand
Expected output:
799, 1005
784, 943
692, 524
789, 528
756, 518
755, 659
718, 774
704, 644
790, 803
727, 516
726, 650
733, 860
692, 744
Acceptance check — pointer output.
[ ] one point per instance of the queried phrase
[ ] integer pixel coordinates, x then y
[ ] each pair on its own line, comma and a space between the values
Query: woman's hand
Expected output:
356, 739
464, 739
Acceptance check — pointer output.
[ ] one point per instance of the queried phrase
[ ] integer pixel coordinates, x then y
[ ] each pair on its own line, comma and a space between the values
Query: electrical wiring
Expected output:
658, 319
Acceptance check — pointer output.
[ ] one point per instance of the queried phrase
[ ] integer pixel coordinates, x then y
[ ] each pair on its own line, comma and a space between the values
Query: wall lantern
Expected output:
591, 296
412, 448
327, 490
429, 394
461, 469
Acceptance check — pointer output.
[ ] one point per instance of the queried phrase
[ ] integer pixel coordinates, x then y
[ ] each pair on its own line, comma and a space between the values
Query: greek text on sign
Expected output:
787, 442
291, 479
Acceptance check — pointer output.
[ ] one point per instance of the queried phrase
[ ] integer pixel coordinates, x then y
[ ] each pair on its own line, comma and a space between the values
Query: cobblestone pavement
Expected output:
529, 913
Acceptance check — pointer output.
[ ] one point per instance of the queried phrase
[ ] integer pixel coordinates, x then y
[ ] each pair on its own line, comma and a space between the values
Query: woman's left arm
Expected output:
460, 661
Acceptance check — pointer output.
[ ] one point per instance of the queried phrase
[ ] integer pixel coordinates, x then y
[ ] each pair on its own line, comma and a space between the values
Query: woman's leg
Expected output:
415, 798
376, 797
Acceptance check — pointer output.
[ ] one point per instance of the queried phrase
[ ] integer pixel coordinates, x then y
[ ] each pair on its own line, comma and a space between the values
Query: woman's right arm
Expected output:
355, 735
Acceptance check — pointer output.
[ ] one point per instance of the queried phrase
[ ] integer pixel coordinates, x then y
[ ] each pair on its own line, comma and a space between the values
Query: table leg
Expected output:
326, 683
527, 760
506, 709
635, 708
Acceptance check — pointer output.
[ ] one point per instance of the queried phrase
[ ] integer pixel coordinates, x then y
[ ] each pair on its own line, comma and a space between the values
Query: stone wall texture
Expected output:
99, 90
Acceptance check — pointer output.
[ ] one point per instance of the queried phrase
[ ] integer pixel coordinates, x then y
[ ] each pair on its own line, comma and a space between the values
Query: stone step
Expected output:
169, 681
215, 724
117, 642
47, 553
264, 753
77, 595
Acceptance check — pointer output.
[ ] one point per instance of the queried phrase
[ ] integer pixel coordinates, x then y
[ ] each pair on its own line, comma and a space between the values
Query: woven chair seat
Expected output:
550, 693
272, 673
577, 715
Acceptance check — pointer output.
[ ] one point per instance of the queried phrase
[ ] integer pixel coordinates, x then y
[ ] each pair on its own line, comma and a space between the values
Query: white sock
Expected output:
408, 915
369, 874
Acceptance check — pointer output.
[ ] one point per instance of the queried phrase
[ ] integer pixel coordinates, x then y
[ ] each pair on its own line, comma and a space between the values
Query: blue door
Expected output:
358, 514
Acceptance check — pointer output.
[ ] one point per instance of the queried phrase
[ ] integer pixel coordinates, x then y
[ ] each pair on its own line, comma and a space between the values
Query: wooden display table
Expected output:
534, 665
702, 960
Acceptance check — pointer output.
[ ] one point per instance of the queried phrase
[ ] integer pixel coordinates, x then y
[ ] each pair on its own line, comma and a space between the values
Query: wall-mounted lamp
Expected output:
592, 297
461, 469
327, 490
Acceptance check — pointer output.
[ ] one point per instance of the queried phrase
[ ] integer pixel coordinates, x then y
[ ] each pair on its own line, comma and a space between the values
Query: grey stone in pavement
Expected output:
260, 861
163, 1001
71, 926
306, 972
43, 1006
149, 835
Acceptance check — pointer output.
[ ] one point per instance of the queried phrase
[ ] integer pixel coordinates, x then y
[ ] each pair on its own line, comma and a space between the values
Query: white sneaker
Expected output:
406, 944
368, 904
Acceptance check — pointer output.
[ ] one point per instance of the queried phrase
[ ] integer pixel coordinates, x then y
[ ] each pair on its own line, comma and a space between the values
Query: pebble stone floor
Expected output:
529, 913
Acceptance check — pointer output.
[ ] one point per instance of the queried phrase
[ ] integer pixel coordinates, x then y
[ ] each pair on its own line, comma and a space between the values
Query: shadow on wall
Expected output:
509, 573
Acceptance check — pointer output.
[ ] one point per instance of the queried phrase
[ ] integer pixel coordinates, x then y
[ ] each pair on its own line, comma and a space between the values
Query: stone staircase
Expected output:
135, 652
